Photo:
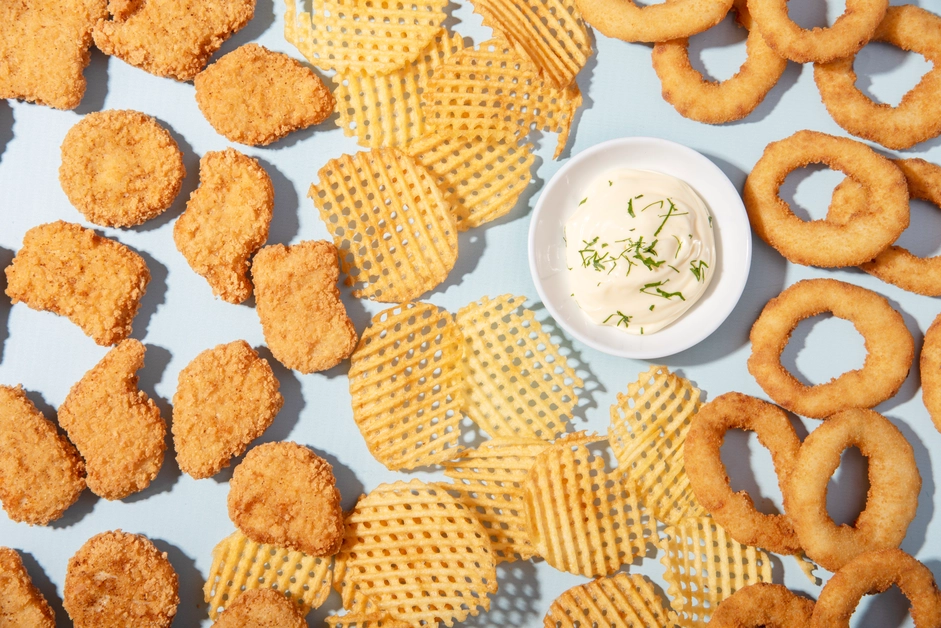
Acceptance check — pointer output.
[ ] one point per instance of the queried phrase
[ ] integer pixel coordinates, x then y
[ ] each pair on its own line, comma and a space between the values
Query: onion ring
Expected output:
658, 22
715, 102
849, 33
918, 117
823, 242
931, 372
894, 483
875, 572
762, 604
707, 474
889, 345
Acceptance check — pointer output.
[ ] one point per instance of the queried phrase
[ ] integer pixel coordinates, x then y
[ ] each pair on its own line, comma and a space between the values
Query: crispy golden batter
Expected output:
226, 398
172, 38
255, 96
120, 168
286, 495
96, 282
304, 321
226, 220
21, 603
41, 473
261, 608
119, 580
44, 47
117, 428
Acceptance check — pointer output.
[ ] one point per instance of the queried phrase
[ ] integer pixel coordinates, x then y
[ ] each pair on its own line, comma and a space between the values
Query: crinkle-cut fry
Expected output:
483, 177
618, 601
407, 386
385, 109
704, 565
517, 382
365, 620
240, 564
647, 433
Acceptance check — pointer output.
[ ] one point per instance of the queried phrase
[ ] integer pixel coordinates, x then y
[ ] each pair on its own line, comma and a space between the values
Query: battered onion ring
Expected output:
658, 22
762, 604
707, 475
931, 372
823, 242
715, 102
875, 572
889, 345
918, 116
894, 483
848, 34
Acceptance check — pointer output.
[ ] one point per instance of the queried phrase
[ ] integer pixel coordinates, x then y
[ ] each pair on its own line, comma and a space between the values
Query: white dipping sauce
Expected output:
640, 250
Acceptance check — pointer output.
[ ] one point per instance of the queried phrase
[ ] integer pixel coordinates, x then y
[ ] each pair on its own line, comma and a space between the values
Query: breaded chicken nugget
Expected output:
117, 428
261, 608
44, 48
96, 282
286, 495
296, 295
226, 220
41, 473
120, 168
21, 603
226, 398
255, 96
172, 38
118, 580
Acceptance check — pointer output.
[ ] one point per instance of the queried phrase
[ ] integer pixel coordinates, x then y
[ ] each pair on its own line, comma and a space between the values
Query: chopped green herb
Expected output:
610, 183
651, 308
697, 268
641, 331
675, 269
710, 222
660, 292
583, 201
660, 203
630, 207
670, 213
623, 319
679, 245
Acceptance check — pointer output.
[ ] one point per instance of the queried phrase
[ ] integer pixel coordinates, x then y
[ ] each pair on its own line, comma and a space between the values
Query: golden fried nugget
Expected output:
227, 397
120, 168
285, 494
44, 47
117, 428
172, 38
119, 580
21, 603
226, 221
41, 473
255, 96
304, 322
261, 608
96, 282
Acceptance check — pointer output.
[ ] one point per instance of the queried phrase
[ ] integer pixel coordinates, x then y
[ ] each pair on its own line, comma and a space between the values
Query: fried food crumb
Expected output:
226, 220
286, 495
96, 282
21, 603
117, 428
255, 96
261, 608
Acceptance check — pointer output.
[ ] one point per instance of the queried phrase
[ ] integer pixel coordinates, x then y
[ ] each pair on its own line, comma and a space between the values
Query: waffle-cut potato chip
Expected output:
618, 601
647, 433
365, 620
407, 386
491, 88
482, 177
705, 566
385, 109
489, 481
363, 36
580, 518
391, 223
239, 564
517, 383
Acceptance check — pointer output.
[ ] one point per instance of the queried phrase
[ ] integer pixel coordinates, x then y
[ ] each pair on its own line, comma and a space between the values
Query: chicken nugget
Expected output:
120, 168
41, 473
304, 322
21, 603
44, 48
226, 398
255, 96
118, 580
286, 495
173, 38
96, 282
226, 221
117, 428
261, 608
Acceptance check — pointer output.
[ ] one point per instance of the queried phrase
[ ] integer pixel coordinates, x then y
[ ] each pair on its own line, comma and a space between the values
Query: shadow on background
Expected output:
192, 608
6, 126
48, 589
96, 90
190, 182
6, 257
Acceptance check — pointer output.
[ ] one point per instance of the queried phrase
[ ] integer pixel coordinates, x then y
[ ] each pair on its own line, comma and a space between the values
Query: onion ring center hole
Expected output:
890, 608
742, 454
809, 190
719, 52
923, 236
885, 73
647, 3
810, 14
823, 347
847, 490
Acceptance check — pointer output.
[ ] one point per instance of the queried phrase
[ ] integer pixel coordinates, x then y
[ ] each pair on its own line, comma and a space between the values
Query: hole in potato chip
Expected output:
619, 600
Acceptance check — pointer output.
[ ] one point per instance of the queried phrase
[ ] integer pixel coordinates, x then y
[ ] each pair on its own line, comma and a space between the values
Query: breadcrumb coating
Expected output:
21, 603
117, 428
226, 221
255, 96
96, 282
261, 608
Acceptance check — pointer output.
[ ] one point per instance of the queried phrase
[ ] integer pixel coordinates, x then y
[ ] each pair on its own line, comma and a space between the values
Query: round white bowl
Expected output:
559, 200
